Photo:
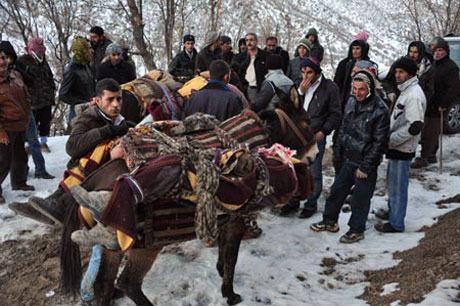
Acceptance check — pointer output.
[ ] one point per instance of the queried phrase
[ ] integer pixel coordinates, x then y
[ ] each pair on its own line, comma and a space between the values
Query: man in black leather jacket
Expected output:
78, 81
363, 138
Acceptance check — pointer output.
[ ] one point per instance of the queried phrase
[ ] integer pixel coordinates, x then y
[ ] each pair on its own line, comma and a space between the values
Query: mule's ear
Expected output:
268, 115
294, 98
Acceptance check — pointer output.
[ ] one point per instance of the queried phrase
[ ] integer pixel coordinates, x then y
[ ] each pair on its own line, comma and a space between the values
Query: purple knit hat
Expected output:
311, 62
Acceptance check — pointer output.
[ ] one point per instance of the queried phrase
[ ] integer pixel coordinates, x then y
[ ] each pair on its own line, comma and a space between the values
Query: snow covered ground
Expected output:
284, 266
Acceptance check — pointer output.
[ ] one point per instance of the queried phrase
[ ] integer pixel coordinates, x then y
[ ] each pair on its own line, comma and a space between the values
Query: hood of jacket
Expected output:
364, 49
420, 47
367, 77
314, 32
278, 78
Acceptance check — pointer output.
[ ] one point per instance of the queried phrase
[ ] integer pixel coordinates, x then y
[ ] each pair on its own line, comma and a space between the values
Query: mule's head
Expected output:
283, 132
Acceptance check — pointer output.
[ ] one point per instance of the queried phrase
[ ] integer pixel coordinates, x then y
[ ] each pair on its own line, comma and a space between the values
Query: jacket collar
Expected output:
409, 83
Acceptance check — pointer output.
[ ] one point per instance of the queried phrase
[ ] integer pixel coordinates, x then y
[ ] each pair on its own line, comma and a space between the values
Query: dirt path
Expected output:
436, 258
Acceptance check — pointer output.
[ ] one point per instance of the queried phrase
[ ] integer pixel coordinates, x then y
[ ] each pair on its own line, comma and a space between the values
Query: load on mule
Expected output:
132, 281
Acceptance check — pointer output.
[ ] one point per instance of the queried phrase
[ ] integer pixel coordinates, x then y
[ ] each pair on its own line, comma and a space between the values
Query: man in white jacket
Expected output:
405, 128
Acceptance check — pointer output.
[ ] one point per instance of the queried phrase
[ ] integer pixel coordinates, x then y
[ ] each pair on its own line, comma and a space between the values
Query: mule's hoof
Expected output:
234, 299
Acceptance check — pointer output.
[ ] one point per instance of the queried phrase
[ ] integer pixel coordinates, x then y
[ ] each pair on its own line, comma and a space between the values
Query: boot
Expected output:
290, 208
23, 187
99, 234
96, 201
52, 207
26, 210
419, 162
45, 175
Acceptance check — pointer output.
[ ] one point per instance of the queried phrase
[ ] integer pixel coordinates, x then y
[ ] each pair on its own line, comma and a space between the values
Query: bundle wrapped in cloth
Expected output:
236, 183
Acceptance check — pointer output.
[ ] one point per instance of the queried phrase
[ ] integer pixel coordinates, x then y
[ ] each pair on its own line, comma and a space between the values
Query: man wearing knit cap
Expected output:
40, 83
317, 50
303, 51
209, 53
405, 128
14, 117
99, 43
115, 67
252, 69
226, 49
271, 46
446, 90
363, 138
182, 66
321, 100
267, 98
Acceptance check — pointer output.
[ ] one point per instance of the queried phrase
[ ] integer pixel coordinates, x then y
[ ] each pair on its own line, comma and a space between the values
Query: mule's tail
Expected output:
71, 271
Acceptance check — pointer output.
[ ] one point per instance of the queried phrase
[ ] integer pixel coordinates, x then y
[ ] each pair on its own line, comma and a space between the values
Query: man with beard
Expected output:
252, 69
99, 44
271, 46
182, 67
14, 117
115, 67
405, 127
226, 49
446, 89
363, 138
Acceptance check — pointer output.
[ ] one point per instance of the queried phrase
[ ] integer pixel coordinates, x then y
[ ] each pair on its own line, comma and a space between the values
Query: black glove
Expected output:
111, 131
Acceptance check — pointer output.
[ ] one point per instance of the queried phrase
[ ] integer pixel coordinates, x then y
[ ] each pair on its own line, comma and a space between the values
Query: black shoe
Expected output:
26, 210
382, 214
419, 163
24, 187
351, 237
327, 225
45, 176
386, 228
432, 160
49, 208
307, 213
2, 199
290, 208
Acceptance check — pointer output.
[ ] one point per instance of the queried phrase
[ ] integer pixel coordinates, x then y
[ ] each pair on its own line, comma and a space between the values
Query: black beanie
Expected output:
225, 39
8, 49
442, 43
274, 62
97, 30
407, 64
189, 37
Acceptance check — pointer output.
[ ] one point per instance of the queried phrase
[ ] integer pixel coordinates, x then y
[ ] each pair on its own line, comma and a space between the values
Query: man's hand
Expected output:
360, 175
304, 85
4, 138
319, 136
441, 109
205, 74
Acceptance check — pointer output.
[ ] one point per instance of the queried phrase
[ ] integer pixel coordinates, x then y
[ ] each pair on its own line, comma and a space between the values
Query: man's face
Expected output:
115, 58
311, 38
303, 52
3, 65
360, 90
356, 52
243, 48
251, 42
309, 74
271, 45
226, 47
413, 53
355, 70
189, 45
110, 103
94, 38
439, 54
401, 75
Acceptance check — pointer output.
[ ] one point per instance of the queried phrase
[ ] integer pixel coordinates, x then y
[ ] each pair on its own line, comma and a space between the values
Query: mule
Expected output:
289, 126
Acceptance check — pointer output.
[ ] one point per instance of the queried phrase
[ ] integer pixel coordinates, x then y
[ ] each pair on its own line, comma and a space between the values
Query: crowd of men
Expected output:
366, 118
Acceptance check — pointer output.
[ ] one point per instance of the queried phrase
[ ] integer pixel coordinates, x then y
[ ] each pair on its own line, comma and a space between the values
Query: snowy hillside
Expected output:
286, 265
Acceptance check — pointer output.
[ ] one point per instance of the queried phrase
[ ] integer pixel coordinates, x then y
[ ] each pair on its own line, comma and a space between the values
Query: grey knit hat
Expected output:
211, 37
113, 48
306, 43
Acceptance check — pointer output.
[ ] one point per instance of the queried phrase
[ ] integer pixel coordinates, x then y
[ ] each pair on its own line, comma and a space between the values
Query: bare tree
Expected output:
22, 14
168, 15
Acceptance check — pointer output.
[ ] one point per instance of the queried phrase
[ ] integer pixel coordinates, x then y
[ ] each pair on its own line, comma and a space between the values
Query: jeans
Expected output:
35, 146
317, 173
72, 114
360, 200
398, 183
87, 283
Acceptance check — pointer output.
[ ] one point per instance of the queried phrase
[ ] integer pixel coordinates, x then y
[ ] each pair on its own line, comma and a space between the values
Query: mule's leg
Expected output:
104, 285
229, 240
130, 281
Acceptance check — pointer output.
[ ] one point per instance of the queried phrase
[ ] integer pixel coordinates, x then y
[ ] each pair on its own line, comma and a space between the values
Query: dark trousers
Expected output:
430, 136
317, 175
13, 160
360, 200
43, 120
